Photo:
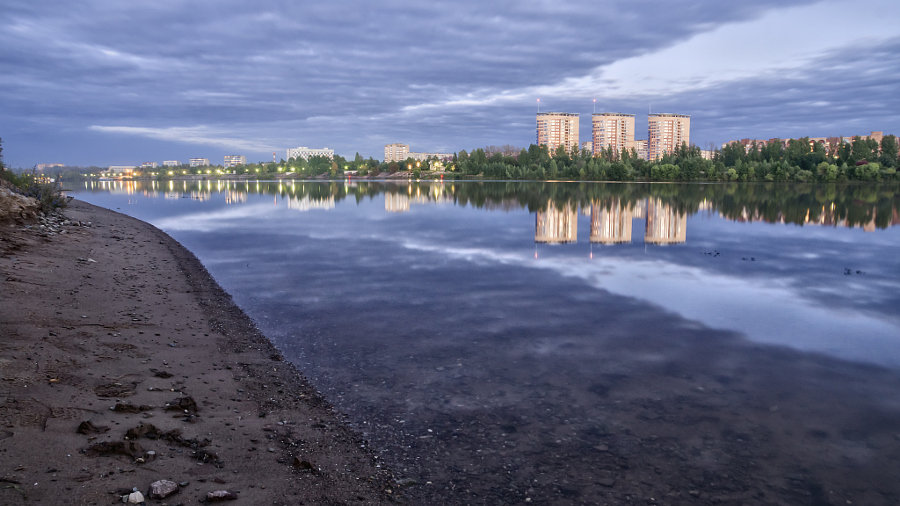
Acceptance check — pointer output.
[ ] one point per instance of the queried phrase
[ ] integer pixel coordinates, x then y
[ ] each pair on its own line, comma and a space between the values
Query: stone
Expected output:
161, 489
135, 498
220, 495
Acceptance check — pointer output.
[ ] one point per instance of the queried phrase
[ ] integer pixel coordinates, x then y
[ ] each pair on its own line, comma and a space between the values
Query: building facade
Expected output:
666, 132
556, 129
171, 163
235, 160
612, 130
396, 152
307, 153
199, 162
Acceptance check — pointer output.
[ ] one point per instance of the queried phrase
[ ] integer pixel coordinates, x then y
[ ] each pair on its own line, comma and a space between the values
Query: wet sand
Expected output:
124, 363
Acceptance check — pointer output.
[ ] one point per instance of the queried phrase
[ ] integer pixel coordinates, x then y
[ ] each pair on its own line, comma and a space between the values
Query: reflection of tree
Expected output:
823, 204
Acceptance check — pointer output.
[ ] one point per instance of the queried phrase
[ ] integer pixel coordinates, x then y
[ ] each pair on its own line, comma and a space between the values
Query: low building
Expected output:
398, 152
149, 165
171, 163
307, 153
41, 167
199, 162
235, 160
121, 170
642, 149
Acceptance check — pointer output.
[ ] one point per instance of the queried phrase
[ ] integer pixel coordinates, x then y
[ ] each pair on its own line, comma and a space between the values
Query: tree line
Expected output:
798, 160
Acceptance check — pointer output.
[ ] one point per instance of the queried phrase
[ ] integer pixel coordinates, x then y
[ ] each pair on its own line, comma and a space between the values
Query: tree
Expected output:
860, 150
889, 150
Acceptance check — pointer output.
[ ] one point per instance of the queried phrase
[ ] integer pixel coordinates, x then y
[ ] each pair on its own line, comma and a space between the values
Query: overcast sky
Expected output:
113, 82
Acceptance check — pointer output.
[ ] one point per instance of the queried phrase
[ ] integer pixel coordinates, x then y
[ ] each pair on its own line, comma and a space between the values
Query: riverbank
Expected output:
124, 363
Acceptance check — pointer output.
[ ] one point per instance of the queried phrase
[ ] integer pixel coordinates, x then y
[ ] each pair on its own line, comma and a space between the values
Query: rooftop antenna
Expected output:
539, 105
595, 106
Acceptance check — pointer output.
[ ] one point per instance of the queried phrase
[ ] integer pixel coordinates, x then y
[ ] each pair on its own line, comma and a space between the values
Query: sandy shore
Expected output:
124, 363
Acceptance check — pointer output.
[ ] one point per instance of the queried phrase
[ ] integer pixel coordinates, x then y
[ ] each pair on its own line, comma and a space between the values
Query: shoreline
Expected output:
117, 330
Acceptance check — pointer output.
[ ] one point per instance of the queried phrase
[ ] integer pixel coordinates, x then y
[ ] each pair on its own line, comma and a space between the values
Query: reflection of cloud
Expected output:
764, 311
229, 217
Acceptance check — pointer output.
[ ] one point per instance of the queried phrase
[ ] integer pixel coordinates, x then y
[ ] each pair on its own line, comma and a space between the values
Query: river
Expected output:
570, 343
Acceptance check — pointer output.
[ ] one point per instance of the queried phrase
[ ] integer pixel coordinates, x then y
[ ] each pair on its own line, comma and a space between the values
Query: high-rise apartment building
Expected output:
235, 160
199, 162
556, 129
666, 132
612, 130
396, 152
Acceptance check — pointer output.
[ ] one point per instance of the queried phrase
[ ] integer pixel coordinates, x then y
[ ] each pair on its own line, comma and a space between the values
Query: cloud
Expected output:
353, 76
202, 135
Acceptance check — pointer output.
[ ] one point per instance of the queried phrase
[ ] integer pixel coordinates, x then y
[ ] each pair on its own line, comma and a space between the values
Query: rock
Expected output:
220, 495
134, 498
161, 489
15, 208
304, 465
87, 427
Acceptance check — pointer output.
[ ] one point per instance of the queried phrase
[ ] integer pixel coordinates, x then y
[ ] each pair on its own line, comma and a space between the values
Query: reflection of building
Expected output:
556, 226
235, 197
396, 202
306, 203
612, 130
666, 133
665, 225
556, 129
307, 153
235, 160
610, 225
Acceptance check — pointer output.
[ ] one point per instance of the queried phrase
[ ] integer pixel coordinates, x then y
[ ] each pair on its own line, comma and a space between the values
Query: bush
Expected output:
47, 194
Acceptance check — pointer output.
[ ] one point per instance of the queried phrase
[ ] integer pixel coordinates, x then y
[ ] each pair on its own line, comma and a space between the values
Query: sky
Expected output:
106, 82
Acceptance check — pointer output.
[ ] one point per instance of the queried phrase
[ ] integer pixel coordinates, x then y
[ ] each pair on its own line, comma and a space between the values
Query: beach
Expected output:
124, 363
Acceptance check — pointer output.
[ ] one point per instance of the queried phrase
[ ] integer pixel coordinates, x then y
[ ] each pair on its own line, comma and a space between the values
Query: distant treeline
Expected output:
798, 161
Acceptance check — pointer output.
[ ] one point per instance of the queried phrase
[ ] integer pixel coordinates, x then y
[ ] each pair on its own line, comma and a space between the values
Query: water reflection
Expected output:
611, 207
556, 225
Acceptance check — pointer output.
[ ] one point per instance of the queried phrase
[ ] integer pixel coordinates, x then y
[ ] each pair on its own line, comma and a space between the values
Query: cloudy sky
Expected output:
111, 82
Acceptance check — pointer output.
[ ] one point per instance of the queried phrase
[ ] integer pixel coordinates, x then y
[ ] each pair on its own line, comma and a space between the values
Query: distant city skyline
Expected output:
120, 84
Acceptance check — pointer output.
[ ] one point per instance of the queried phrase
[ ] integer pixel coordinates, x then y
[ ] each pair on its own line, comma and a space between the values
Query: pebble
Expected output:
133, 498
220, 495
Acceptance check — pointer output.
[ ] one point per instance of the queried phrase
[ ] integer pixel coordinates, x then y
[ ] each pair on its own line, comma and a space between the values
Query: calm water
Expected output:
566, 343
